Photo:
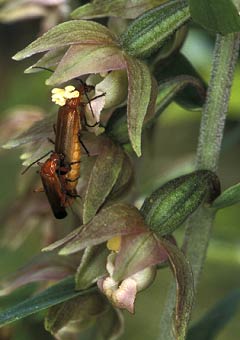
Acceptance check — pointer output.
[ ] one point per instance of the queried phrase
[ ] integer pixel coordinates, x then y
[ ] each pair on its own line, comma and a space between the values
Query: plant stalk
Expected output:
199, 225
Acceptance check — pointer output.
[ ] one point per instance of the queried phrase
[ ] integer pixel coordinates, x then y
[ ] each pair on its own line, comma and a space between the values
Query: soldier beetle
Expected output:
68, 127
60, 185
53, 186
71, 115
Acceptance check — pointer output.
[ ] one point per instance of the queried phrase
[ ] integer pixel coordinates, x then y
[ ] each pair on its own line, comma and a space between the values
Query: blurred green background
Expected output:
168, 152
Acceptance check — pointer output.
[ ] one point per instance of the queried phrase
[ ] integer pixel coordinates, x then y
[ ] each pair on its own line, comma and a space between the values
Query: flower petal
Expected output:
136, 253
85, 58
125, 295
68, 33
117, 219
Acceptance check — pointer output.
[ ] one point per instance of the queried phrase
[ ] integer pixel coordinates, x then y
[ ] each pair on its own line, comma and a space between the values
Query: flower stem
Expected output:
210, 139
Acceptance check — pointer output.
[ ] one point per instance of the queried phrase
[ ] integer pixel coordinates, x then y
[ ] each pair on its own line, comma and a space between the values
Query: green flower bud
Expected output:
149, 31
170, 205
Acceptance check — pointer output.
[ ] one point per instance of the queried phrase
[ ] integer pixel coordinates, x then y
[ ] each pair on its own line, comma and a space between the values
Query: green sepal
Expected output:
170, 205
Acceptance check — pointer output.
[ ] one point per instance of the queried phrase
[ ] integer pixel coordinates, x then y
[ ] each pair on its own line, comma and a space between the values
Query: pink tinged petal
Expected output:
115, 85
118, 219
138, 252
145, 277
68, 33
109, 286
125, 295
100, 283
86, 58
95, 108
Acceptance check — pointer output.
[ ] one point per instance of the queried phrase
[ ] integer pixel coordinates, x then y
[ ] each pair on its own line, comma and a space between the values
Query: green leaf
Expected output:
185, 289
103, 176
221, 16
117, 219
82, 59
128, 9
228, 197
68, 33
63, 291
92, 266
208, 327
140, 84
149, 31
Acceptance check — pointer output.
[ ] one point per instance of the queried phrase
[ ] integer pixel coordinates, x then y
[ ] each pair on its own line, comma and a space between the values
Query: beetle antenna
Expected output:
30, 165
43, 68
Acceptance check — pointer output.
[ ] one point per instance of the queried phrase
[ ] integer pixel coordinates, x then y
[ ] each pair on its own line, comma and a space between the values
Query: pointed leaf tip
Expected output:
140, 93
